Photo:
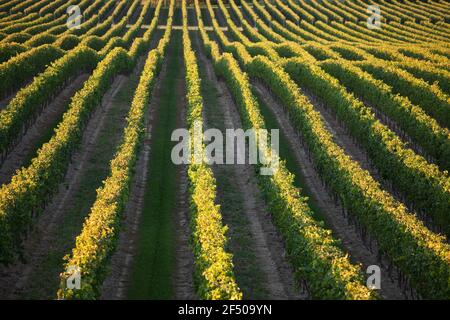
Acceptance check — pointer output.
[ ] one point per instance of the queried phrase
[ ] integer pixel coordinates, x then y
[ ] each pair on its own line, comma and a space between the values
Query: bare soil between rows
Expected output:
183, 282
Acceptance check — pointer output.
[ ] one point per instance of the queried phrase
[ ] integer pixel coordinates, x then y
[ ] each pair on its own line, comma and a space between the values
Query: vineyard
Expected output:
92, 205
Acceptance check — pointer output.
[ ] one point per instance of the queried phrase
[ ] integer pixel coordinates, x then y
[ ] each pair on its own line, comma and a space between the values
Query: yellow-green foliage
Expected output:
213, 265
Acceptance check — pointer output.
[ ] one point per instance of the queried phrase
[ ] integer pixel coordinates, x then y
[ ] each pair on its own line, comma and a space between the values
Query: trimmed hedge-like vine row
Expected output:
214, 277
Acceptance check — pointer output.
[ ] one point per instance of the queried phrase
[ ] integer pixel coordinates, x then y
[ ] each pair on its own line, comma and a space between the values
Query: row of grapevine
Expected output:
280, 25
438, 149
9, 50
343, 11
291, 14
262, 27
296, 8
8, 5
36, 6
27, 5
20, 26
39, 24
433, 15
32, 186
290, 30
29, 101
431, 28
313, 11
56, 7
425, 35
333, 14
214, 277
257, 48
356, 34
408, 10
425, 130
42, 27
249, 30
90, 22
98, 239
388, 14
435, 146
375, 34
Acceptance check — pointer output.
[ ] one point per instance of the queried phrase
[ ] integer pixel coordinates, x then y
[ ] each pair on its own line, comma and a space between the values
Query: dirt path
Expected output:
55, 231
183, 281
29, 143
266, 243
206, 17
220, 18
332, 212
6, 100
